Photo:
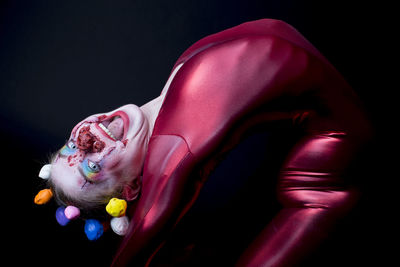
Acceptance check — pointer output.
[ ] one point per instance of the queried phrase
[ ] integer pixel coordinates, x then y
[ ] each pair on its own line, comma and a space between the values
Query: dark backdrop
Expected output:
61, 61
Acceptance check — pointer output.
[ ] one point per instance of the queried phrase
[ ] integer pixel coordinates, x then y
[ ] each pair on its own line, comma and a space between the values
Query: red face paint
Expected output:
85, 139
88, 142
102, 117
72, 159
98, 146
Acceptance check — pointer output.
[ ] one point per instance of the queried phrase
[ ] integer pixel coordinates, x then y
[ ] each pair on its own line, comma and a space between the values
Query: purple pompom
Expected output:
60, 216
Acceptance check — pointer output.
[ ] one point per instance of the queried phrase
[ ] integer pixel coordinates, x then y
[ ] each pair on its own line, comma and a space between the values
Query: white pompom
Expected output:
120, 225
45, 171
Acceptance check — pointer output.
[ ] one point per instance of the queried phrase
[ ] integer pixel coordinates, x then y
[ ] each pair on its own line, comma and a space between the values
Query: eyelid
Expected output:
95, 163
87, 179
86, 172
66, 150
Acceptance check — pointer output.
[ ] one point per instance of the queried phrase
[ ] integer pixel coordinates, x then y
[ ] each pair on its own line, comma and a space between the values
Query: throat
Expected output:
151, 110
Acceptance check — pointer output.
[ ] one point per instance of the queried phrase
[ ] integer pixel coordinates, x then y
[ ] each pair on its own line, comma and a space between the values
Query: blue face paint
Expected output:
68, 149
90, 169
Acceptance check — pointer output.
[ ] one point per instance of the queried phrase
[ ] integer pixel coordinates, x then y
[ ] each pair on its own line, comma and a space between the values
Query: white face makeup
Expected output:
103, 151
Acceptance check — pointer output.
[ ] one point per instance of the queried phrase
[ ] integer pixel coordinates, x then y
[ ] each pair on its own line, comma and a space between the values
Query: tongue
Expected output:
116, 127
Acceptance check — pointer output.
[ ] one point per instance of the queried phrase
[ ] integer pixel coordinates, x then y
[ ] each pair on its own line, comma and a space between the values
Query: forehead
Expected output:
65, 176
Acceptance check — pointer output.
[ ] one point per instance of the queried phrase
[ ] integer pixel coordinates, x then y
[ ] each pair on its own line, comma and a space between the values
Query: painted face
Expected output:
103, 151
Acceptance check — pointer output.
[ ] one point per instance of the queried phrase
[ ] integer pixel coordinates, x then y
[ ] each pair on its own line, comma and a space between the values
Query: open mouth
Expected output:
115, 126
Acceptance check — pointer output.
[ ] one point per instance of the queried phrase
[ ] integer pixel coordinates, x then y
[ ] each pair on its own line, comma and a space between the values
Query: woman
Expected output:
256, 73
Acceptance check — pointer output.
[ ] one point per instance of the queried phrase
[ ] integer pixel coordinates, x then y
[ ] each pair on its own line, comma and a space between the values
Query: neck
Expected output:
151, 110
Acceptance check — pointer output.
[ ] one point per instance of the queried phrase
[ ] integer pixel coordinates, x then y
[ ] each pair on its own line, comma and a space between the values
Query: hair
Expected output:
89, 206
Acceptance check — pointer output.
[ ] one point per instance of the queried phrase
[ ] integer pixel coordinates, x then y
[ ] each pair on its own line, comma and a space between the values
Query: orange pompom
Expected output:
43, 196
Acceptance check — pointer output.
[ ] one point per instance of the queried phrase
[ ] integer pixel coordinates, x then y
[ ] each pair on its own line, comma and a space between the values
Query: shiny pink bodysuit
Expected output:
258, 72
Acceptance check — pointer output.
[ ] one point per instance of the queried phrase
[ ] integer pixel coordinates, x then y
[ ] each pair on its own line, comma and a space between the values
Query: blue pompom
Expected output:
93, 229
60, 216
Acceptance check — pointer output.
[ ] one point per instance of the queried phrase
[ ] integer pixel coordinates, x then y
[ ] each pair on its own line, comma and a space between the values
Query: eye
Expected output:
94, 167
90, 170
68, 149
71, 145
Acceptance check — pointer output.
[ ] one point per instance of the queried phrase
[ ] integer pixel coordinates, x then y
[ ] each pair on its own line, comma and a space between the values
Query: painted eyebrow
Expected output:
65, 144
81, 172
61, 155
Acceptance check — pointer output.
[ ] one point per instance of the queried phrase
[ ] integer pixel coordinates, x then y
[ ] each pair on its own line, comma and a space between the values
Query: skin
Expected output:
118, 162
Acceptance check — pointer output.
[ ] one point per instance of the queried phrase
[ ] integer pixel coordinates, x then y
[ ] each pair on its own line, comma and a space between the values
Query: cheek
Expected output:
134, 158
102, 117
75, 129
80, 183
137, 152
70, 185
113, 157
107, 180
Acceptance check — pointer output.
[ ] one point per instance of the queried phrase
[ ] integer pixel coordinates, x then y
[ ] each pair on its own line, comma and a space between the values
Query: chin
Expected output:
134, 142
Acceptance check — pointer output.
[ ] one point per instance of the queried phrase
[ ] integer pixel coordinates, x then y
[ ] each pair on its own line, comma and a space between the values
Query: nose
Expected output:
88, 142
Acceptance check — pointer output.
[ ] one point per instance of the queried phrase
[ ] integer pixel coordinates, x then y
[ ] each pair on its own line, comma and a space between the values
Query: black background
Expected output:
61, 61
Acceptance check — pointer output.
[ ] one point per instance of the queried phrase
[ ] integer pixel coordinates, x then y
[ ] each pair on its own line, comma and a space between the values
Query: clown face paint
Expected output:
103, 151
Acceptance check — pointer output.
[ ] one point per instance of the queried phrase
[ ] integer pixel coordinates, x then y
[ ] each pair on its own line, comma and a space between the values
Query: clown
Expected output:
256, 73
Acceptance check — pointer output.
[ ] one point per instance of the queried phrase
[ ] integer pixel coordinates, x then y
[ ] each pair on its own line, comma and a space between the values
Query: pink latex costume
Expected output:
258, 72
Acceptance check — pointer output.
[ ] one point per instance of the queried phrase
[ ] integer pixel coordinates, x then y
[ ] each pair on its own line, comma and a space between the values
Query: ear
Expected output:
131, 191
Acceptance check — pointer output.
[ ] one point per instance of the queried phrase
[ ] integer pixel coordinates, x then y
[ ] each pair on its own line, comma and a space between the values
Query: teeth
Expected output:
107, 131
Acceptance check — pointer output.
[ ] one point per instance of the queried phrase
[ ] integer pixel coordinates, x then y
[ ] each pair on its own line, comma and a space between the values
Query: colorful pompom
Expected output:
93, 229
60, 216
72, 212
120, 225
116, 207
45, 171
43, 196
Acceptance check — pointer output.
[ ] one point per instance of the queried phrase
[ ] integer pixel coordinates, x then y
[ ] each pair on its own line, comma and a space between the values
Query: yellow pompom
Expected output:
43, 196
116, 207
